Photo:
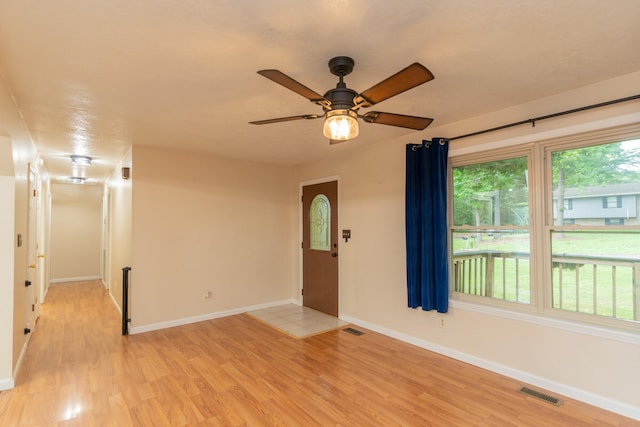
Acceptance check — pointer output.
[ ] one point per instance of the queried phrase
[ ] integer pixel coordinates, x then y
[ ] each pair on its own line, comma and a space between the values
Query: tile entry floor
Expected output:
297, 321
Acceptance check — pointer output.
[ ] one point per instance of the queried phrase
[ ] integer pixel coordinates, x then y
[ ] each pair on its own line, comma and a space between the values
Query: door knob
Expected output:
32, 266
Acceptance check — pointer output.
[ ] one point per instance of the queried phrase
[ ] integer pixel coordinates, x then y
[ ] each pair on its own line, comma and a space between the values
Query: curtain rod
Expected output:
548, 116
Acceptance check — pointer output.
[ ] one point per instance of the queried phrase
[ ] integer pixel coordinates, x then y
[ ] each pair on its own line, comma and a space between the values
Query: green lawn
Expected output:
614, 244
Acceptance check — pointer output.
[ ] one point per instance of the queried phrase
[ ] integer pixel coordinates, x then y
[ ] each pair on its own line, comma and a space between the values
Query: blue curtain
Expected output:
426, 225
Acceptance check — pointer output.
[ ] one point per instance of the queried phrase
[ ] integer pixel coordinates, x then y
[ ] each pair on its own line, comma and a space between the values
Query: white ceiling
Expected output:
96, 76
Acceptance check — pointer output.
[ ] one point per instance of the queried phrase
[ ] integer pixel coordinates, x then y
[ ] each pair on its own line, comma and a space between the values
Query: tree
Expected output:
475, 185
603, 164
479, 189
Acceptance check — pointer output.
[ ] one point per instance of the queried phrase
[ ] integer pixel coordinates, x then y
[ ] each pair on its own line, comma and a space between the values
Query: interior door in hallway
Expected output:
32, 307
320, 247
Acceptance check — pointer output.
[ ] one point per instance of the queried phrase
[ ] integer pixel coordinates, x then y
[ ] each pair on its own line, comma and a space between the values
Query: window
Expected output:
593, 267
490, 232
320, 226
614, 221
587, 258
612, 202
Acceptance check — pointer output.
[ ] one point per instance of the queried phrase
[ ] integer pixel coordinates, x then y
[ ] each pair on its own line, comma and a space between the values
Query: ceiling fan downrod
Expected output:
341, 98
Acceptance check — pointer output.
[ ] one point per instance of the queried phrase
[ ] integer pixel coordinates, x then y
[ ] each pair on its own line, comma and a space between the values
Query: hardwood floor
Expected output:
79, 371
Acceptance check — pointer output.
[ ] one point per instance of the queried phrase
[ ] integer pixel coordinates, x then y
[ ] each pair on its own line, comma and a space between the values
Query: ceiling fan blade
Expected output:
412, 76
291, 84
287, 119
400, 120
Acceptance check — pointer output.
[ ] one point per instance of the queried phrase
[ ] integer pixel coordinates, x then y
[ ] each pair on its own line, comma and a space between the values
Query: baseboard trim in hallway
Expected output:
6, 384
75, 279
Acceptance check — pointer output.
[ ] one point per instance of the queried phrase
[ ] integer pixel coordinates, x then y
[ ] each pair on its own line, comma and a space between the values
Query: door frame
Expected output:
302, 184
105, 259
33, 292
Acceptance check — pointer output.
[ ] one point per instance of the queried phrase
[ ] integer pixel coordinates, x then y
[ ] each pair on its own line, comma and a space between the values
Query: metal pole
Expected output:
125, 300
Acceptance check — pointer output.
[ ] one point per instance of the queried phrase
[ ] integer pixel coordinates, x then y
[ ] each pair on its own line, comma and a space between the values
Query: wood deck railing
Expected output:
600, 285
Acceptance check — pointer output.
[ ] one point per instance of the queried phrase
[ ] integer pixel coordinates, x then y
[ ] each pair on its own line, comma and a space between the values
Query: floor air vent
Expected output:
542, 396
353, 331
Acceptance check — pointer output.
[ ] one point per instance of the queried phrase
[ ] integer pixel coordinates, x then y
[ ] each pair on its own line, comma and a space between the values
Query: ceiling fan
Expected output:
341, 104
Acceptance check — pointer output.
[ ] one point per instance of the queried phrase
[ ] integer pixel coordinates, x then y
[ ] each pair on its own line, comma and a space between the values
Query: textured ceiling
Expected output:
97, 76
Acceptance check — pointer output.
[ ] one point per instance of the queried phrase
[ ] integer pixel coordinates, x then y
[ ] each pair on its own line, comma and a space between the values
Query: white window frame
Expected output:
541, 224
484, 157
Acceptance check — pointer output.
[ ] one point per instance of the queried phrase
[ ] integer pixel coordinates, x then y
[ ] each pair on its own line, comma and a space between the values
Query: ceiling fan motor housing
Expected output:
341, 97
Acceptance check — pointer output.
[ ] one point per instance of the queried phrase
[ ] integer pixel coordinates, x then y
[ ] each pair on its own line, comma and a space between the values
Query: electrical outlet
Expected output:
442, 322
206, 295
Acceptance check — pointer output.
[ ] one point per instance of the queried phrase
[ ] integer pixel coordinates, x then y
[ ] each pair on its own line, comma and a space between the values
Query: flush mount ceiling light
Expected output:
81, 160
77, 179
341, 104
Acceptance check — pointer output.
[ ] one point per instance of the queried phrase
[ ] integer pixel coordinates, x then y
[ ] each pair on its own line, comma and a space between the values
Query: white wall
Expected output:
588, 364
17, 151
76, 232
119, 196
201, 224
7, 241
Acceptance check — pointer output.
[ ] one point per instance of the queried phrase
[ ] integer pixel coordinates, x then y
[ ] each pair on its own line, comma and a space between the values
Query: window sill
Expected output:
571, 326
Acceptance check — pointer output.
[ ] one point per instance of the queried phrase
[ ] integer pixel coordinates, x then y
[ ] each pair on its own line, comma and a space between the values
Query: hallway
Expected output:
79, 371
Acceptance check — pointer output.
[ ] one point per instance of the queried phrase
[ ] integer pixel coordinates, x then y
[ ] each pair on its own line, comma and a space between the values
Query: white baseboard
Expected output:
566, 390
6, 384
12, 381
201, 318
113, 299
75, 279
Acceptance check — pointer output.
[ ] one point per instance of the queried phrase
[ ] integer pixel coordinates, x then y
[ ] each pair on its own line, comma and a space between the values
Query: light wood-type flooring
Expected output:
233, 371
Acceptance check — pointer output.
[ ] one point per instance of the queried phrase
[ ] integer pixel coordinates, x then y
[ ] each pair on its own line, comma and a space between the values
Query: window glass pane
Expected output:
320, 217
595, 273
613, 202
492, 264
602, 182
491, 194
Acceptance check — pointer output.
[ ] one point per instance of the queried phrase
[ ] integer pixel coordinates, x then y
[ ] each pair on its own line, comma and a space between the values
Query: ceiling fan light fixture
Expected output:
341, 125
